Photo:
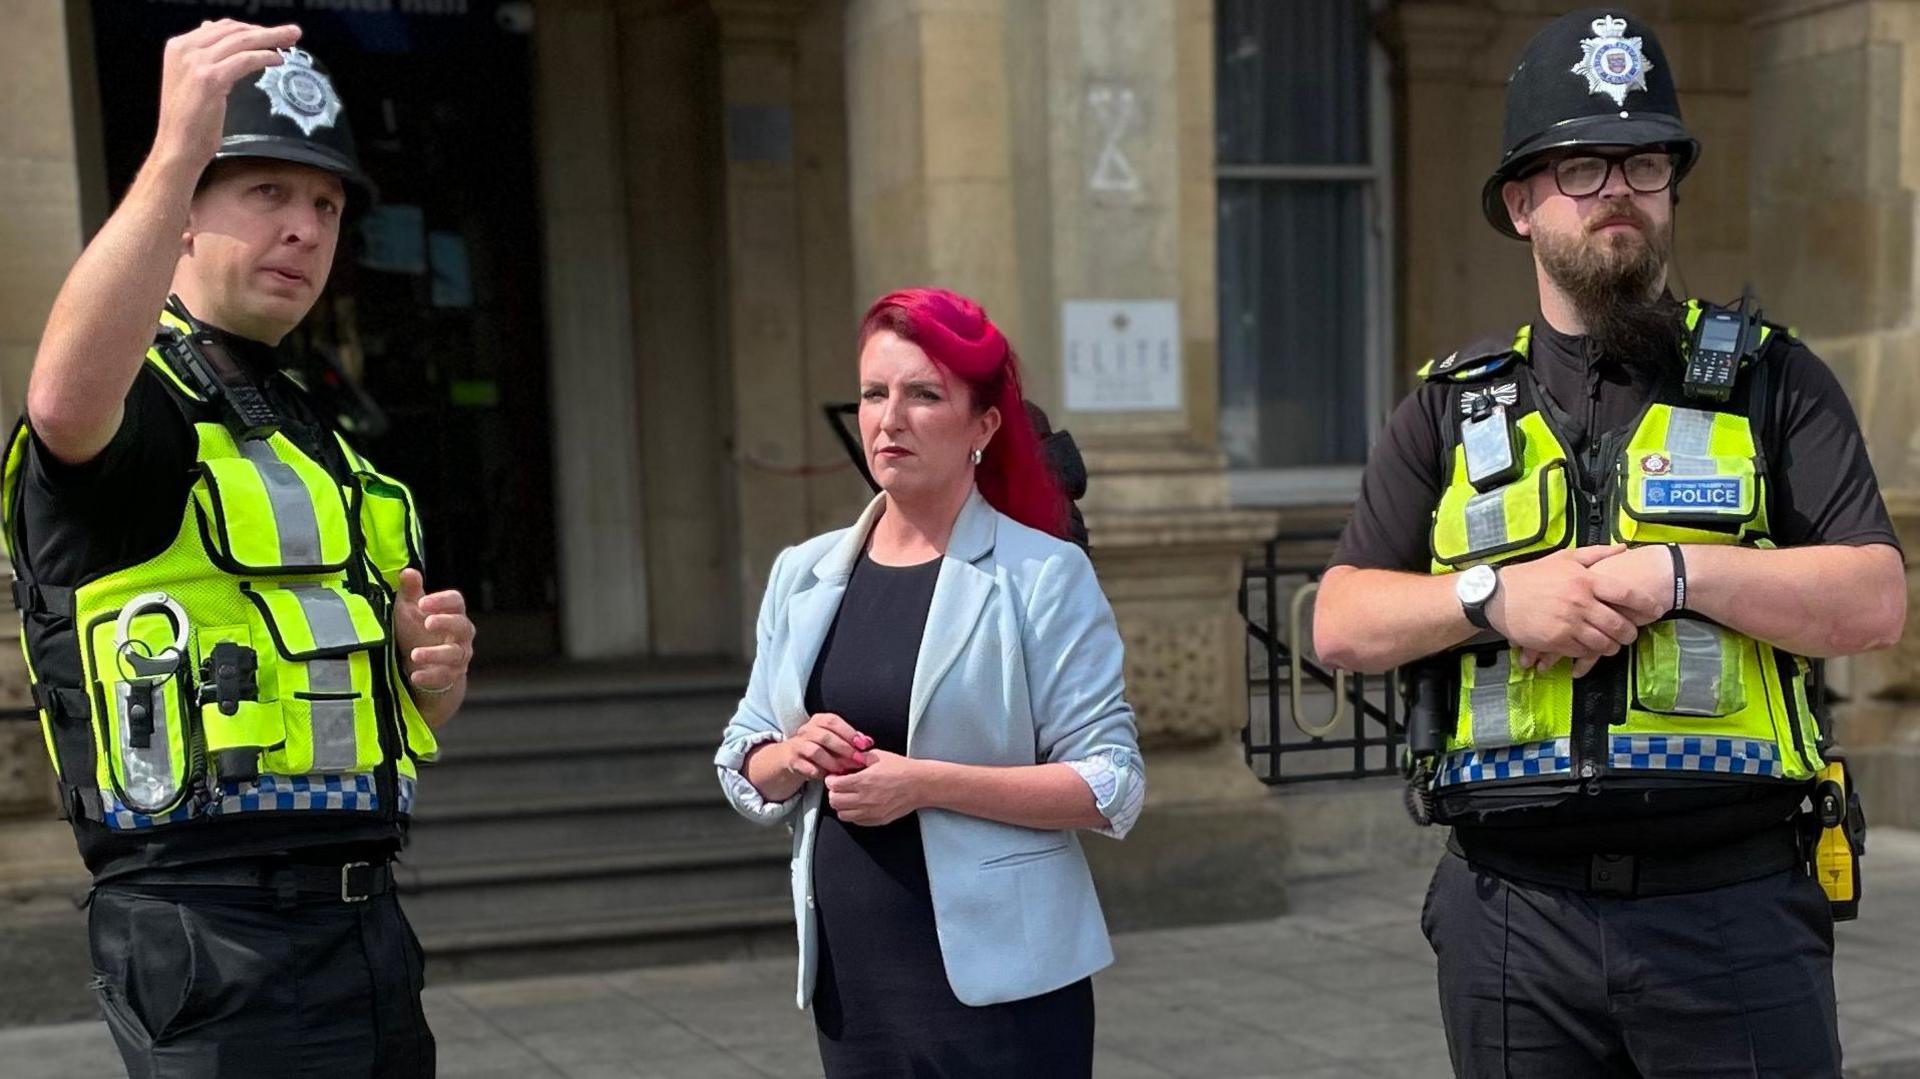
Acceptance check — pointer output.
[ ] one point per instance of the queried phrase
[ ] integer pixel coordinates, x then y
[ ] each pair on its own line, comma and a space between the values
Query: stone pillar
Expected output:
835, 495
40, 235
1835, 173
603, 578
764, 311
1032, 155
670, 154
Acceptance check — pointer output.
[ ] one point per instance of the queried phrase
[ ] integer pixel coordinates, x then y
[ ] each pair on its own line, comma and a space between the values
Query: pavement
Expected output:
1341, 989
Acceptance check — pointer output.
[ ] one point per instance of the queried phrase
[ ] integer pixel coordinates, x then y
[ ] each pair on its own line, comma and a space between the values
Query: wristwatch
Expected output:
1474, 589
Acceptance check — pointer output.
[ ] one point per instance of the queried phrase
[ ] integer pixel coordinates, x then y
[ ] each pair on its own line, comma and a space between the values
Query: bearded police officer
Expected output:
236, 663
1622, 530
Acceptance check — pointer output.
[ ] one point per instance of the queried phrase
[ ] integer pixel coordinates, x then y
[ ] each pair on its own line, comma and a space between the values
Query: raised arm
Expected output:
103, 319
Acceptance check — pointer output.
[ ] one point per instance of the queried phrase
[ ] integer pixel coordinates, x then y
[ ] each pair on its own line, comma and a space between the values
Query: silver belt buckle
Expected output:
345, 872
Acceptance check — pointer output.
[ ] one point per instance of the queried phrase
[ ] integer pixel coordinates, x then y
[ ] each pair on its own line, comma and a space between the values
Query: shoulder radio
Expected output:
1721, 341
203, 360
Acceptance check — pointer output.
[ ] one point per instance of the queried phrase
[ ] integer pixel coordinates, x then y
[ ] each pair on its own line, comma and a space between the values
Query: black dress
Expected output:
882, 1005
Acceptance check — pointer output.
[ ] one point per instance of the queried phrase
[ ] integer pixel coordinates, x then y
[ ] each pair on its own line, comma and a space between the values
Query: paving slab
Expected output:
1342, 987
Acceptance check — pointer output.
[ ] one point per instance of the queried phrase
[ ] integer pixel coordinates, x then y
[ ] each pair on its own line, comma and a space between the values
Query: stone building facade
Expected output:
723, 184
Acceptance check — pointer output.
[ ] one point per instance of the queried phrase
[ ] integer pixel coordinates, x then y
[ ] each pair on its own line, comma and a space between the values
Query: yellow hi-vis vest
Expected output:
274, 553
1690, 699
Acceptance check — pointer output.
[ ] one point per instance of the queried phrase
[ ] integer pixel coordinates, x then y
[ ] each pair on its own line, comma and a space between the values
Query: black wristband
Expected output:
1679, 577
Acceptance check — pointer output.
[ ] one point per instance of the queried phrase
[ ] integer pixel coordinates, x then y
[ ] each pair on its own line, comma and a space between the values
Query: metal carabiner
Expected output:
1294, 649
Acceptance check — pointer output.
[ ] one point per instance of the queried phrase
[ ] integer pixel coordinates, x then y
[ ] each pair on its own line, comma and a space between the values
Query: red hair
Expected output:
957, 336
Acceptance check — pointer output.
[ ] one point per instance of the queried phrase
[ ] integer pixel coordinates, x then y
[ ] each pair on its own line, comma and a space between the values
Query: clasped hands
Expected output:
1581, 604
865, 785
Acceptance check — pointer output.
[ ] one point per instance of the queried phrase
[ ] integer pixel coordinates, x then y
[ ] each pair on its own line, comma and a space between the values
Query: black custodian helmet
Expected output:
1596, 77
291, 112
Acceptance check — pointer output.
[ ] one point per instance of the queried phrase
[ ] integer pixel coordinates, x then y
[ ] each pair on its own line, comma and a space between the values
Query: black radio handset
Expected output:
1718, 346
203, 358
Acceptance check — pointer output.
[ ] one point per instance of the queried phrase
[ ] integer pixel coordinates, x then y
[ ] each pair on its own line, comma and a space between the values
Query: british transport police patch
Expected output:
1611, 63
1709, 493
300, 93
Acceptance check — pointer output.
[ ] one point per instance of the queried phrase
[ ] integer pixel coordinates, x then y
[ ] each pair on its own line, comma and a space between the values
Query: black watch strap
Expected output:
1477, 614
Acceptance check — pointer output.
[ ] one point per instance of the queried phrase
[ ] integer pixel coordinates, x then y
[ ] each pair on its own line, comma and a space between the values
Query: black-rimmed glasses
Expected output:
1585, 174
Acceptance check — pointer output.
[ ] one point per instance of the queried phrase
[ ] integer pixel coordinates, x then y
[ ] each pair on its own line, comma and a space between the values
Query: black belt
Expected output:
354, 882
1762, 854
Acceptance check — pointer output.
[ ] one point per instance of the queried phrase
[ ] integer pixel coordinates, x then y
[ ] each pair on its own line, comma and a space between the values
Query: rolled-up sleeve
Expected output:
1076, 676
753, 723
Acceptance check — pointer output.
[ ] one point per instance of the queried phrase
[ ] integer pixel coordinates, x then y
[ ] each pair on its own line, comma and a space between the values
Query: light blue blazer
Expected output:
1020, 664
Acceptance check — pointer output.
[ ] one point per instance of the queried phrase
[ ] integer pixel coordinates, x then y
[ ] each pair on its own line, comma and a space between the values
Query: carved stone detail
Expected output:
1180, 678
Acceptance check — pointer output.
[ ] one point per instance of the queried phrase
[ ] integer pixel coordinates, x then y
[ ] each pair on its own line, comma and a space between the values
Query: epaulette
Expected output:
1483, 358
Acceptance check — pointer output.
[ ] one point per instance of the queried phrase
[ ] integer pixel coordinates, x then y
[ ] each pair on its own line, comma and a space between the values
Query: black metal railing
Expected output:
1358, 729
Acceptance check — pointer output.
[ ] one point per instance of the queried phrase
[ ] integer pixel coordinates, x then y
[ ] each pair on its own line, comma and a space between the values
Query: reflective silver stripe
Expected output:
327, 616
149, 780
335, 744
1697, 691
1689, 431
1486, 521
335, 748
292, 504
1687, 466
1492, 723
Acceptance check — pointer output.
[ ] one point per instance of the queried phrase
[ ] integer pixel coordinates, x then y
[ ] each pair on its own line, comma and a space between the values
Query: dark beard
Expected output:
1612, 283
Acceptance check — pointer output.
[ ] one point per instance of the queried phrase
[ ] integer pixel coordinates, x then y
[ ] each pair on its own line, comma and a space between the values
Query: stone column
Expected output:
1033, 155
40, 235
1835, 172
603, 578
764, 307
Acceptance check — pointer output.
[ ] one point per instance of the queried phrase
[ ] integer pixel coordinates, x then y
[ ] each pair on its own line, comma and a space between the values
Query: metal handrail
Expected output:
1377, 731
1295, 662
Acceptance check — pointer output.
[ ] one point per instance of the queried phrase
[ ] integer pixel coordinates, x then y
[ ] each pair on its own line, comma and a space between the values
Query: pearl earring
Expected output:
976, 456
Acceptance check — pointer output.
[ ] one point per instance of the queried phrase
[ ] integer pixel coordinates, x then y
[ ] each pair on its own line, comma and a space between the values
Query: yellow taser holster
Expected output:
1843, 836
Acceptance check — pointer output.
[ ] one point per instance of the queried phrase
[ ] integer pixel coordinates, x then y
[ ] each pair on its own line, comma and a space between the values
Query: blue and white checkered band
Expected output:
1626, 753
268, 794
1691, 753
1611, 63
1549, 758
300, 93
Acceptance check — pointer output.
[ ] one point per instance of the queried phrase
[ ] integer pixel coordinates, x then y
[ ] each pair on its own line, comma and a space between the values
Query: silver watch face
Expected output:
1475, 587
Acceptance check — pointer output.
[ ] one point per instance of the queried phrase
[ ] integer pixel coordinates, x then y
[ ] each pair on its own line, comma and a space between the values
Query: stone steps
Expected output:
578, 822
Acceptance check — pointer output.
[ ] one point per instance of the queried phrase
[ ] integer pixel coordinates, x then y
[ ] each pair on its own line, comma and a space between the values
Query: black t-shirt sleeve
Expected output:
148, 412
1824, 488
123, 503
1398, 493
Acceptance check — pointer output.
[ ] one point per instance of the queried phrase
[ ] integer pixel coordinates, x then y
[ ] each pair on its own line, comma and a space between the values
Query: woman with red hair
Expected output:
936, 708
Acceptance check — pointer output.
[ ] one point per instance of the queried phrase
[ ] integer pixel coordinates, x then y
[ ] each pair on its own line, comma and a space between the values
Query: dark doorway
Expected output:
435, 305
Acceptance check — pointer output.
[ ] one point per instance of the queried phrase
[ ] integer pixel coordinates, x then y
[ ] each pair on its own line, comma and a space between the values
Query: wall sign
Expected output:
1122, 355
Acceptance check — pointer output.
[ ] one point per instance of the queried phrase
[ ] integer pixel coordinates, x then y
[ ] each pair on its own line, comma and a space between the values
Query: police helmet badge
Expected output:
1612, 63
300, 93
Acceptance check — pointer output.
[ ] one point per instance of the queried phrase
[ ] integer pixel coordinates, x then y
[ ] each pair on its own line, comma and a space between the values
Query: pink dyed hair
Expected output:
957, 335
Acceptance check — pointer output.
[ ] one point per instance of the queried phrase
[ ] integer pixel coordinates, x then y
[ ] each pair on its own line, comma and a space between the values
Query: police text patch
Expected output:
1712, 493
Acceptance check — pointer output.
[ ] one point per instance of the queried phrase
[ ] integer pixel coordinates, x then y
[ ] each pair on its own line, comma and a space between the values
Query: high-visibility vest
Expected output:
278, 554
1693, 699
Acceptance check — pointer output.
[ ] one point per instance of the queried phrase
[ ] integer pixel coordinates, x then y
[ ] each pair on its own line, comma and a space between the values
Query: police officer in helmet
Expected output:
234, 654
1612, 541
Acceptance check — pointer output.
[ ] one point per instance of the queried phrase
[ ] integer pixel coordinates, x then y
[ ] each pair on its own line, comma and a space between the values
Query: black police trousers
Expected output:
207, 982
1547, 982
